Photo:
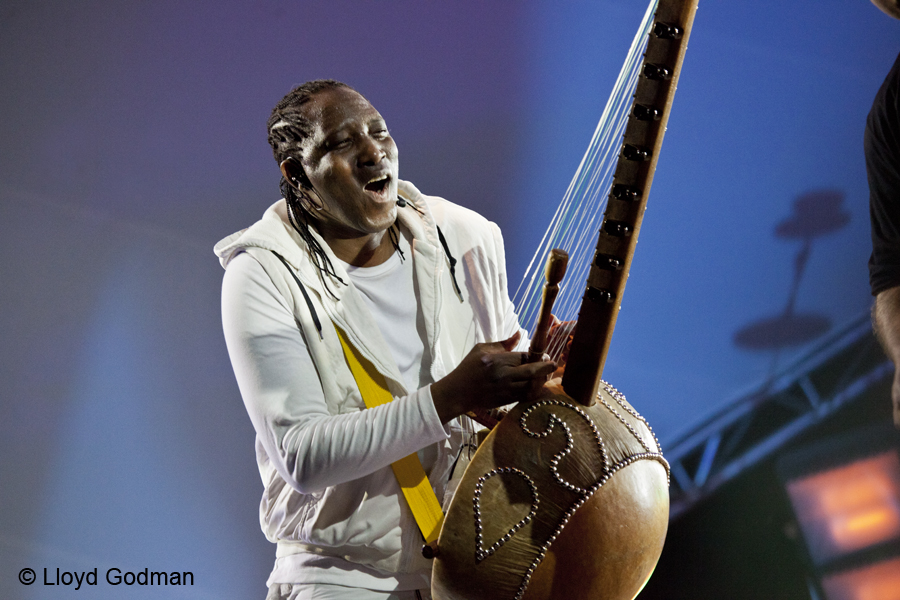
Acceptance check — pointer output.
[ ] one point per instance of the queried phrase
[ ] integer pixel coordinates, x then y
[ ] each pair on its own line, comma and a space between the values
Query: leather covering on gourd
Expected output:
561, 501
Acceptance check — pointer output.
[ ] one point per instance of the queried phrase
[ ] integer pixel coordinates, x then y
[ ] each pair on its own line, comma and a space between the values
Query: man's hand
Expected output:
559, 340
886, 320
491, 375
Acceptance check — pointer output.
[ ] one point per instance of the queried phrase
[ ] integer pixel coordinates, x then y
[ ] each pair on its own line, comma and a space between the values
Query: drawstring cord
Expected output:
452, 262
312, 309
450, 258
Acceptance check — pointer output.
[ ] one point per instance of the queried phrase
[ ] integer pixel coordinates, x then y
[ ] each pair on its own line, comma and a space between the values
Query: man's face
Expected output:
351, 162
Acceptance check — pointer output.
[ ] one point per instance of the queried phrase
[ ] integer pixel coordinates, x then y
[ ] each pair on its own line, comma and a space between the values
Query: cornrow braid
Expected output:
287, 127
300, 220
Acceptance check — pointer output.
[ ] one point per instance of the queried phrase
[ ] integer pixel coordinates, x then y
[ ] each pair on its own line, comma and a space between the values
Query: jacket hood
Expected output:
274, 231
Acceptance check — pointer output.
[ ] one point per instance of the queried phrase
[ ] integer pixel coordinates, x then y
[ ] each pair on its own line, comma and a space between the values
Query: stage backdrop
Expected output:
132, 138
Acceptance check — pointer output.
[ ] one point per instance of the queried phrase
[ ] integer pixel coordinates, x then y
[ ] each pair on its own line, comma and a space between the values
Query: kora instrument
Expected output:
567, 497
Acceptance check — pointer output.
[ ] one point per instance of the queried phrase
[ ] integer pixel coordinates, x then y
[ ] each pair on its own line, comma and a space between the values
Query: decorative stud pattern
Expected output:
583, 494
570, 442
480, 552
620, 399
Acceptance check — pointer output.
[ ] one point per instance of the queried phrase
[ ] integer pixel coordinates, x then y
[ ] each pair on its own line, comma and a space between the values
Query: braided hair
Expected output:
288, 127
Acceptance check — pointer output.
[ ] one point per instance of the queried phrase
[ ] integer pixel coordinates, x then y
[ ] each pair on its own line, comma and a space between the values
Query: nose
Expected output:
370, 152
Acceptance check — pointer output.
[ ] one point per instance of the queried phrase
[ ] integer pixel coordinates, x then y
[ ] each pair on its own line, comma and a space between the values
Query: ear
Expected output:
292, 171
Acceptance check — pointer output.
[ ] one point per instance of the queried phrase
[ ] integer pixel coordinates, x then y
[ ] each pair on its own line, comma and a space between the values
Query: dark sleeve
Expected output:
882, 147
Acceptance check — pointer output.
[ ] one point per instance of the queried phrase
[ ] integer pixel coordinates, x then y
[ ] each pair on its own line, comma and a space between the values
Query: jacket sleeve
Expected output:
509, 319
309, 447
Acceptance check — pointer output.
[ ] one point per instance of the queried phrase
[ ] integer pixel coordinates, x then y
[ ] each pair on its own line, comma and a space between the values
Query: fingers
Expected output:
531, 372
559, 339
490, 375
536, 370
510, 343
514, 366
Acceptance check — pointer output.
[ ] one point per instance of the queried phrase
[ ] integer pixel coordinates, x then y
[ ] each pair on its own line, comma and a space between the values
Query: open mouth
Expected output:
378, 184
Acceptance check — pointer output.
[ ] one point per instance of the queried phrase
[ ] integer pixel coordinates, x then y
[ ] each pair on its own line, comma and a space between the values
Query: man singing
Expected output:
356, 269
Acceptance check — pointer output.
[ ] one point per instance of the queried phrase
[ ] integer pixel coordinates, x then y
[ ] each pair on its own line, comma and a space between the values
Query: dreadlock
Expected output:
288, 126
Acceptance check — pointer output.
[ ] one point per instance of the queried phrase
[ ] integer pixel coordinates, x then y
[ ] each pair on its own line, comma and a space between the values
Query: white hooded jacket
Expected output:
324, 459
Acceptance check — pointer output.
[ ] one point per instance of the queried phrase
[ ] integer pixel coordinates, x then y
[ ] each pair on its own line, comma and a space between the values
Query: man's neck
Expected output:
364, 251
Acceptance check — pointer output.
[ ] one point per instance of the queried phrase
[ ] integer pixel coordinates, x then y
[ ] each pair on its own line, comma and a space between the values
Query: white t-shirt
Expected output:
389, 293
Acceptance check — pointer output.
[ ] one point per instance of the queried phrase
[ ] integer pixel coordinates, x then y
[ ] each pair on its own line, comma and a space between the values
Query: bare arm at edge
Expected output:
886, 320
889, 7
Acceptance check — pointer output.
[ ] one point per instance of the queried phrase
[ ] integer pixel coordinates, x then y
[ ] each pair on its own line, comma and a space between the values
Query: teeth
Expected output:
377, 178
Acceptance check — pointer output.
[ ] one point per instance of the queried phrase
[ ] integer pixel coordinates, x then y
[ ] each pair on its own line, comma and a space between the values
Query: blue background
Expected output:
132, 138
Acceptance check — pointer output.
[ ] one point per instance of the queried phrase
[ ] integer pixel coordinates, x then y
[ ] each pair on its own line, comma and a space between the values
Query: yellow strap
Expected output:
408, 470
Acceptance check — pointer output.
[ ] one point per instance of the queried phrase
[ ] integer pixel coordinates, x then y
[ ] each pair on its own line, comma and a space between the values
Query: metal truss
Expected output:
835, 372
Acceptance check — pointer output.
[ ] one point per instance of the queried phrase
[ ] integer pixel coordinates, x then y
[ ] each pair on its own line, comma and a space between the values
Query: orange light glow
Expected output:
880, 581
861, 524
851, 487
850, 507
